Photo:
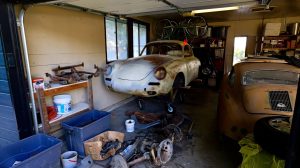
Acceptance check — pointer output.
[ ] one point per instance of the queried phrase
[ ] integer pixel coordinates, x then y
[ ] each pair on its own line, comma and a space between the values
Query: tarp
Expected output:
255, 157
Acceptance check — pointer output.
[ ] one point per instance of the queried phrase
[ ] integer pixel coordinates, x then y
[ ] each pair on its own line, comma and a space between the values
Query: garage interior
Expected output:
86, 36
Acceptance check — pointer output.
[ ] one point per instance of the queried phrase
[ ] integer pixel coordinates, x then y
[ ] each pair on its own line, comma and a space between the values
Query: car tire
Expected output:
270, 138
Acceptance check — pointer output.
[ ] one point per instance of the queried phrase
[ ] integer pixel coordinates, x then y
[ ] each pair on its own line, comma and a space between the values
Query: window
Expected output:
188, 51
270, 77
172, 49
116, 39
239, 49
139, 32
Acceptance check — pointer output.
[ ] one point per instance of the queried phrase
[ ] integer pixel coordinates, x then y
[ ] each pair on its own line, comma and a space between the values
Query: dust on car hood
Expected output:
140, 67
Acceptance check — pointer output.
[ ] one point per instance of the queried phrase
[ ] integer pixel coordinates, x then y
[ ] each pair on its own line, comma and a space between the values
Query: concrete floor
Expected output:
205, 149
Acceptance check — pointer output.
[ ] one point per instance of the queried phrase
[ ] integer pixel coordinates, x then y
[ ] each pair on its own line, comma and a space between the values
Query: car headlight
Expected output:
160, 73
108, 70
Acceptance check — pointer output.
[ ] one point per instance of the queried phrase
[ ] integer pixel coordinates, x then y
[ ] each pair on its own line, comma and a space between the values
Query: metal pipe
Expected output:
29, 80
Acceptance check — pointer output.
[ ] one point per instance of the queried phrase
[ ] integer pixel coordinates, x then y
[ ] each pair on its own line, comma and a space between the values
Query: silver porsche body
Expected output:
137, 76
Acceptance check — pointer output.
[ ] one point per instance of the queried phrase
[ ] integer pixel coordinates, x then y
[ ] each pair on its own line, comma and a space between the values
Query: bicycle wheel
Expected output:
197, 26
164, 29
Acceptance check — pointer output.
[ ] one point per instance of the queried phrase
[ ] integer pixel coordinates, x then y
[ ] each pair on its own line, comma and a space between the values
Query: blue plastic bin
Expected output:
37, 151
83, 127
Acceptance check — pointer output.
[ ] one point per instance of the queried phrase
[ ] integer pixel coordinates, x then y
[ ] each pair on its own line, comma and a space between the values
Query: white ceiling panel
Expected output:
121, 6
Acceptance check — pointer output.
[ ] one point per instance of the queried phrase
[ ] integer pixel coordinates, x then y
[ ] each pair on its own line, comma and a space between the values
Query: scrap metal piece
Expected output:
118, 161
146, 156
130, 149
174, 132
164, 152
59, 68
110, 145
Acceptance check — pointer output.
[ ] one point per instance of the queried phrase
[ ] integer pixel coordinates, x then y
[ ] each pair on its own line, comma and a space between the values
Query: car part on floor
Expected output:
128, 152
164, 152
146, 156
173, 132
272, 133
146, 118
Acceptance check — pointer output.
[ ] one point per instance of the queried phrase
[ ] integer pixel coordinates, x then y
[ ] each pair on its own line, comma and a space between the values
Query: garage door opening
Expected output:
239, 49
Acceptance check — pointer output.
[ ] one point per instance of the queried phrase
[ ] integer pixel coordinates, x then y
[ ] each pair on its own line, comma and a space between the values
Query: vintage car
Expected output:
255, 88
166, 65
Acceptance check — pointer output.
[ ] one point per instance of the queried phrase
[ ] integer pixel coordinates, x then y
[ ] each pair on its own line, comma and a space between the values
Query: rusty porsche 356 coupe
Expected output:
167, 64
254, 89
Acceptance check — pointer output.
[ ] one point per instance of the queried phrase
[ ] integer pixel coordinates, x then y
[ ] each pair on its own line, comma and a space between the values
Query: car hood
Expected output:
138, 68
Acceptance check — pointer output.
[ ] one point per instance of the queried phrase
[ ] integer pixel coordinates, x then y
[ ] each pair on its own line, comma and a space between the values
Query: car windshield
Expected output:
270, 77
173, 49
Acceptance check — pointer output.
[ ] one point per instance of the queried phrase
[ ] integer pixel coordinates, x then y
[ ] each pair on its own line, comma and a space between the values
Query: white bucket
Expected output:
69, 159
129, 125
62, 103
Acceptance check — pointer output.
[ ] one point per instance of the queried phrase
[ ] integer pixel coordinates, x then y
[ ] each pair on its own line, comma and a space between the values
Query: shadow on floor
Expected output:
205, 149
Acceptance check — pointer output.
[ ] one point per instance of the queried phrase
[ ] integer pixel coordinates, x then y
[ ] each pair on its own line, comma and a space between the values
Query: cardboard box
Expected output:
272, 29
94, 145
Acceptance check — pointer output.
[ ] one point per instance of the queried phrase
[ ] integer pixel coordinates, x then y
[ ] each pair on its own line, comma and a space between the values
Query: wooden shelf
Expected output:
76, 108
65, 88
54, 124
276, 48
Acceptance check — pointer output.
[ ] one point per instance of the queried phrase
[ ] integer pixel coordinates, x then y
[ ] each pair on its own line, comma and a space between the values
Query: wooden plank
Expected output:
65, 88
7, 112
3, 75
9, 134
5, 99
43, 110
4, 88
8, 124
90, 94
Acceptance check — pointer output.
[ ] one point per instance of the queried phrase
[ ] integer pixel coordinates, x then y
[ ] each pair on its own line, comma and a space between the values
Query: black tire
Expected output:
271, 139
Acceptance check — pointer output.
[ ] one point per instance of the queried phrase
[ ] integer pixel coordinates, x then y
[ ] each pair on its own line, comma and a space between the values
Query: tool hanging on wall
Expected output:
69, 74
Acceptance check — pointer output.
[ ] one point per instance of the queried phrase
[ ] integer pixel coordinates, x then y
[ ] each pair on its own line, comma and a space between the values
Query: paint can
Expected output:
129, 125
62, 103
38, 83
69, 159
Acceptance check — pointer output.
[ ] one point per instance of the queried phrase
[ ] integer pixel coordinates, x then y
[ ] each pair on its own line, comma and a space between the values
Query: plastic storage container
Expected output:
83, 127
37, 151
62, 103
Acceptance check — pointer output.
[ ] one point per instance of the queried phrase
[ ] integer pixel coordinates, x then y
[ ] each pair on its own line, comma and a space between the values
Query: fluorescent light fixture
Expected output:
216, 9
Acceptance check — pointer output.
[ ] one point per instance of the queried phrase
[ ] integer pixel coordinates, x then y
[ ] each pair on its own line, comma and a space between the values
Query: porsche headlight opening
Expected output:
160, 73
108, 70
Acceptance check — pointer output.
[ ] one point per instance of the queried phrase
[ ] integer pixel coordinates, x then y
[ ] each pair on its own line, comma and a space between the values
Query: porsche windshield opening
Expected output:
172, 49
270, 77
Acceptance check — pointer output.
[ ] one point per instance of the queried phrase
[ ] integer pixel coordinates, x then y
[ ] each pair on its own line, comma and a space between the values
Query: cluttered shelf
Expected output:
65, 88
76, 109
63, 109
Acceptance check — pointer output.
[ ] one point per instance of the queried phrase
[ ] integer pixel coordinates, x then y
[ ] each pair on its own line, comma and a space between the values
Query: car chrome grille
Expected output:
280, 101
